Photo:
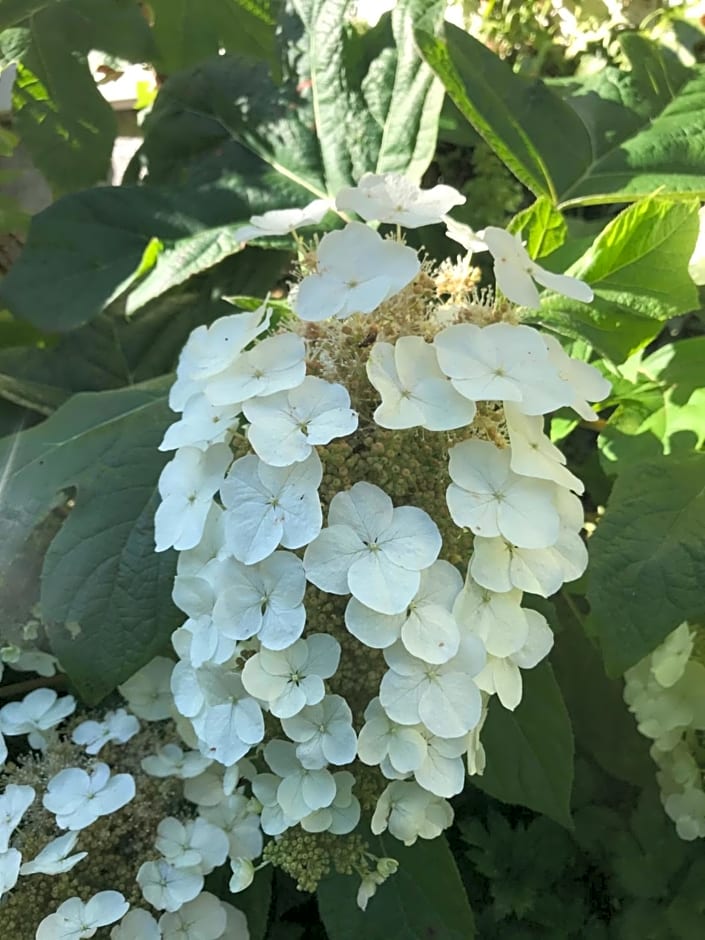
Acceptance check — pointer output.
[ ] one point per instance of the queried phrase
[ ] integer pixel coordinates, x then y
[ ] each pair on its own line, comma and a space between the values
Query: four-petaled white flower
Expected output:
117, 726
187, 485
515, 272
204, 918
392, 198
427, 627
502, 675
74, 920
55, 858
300, 791
229, 722
323, 732
585, 380
171, 761
38, 711
292, 678
498, 619
415, 392
137, 924
195, 844
409, 812
77, 798
166, 887
14, 803
148, 692
282, 221
264, 600
201, 424
501, 362
267, 506
442, 697
285, 427
273, 365
442, 770
490, 499
533, 454
372, 550
382, 739
357, 270
235, 816
342, 814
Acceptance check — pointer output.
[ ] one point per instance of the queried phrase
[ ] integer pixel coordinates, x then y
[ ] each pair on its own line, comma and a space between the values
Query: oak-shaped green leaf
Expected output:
530, 750
638, 268
647, 557
105, 594
425, 898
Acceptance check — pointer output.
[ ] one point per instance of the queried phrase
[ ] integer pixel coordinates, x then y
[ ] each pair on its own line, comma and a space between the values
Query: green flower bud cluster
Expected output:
116, 844
308, 857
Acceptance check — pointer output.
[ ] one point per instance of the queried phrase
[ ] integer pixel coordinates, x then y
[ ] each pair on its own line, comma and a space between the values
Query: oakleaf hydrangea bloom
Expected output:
409, 812
516, 272
273, 365
201, 424
382, 739
415, 392
166, 887
533, 454
118, 726
502, 675
137, 924
78, 798
235, 816
148, 692
195, 844
39, 711
356, 271
324, 733
203, 918
301, 790
171, 761
390, 197
342, 814
285, 427
372, 550
55, 858
74, 920
270, 505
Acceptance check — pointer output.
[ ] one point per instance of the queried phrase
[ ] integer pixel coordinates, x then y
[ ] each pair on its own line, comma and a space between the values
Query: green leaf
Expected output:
541, 226
663, 412
188, 31
105, 593
648, 558
530, 750
638, 269
425, 898
354, 103
533, 131
87, 249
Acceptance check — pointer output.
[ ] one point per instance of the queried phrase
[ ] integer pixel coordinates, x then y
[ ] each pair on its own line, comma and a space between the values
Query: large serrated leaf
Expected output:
425, 898
638, 269
530, 750
105, 594
647, 558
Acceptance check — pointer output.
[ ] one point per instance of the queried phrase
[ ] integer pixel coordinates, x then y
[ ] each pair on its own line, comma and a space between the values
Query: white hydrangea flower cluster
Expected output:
241, 502
666, 694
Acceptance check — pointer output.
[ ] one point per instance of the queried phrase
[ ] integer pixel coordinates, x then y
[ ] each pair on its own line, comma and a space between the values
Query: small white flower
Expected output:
427, 627
503, 675
357, 271
515, 272
372, 550
168, 888
195, 844
490, 499
267, 506
405, 747
498, 619
202, 424
292, 678
229, 722
74, 920
203, 918
414, 390
78, 798
442, 772
55, 858
342, 815
391, 198
14, 803
301, 791
10, 861
285, 427
38, 711
586, 382
282, 221
502, 362
323, 732
409, 812
533, 454
276, 363
442, 697
171, 761
117, 726
235, 816
467, 237
273, 819
137, 924
264, 600
187, 485
215, 784
148, 692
